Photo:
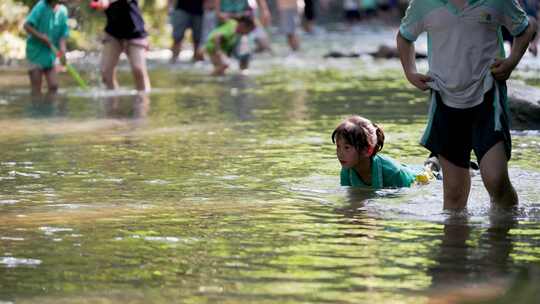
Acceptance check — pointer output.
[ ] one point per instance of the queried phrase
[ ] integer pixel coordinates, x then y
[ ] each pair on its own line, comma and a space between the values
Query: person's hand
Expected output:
533, 49
45, 39
266, 18
502, 68
100, 5
222, 17
62, 56
419, 80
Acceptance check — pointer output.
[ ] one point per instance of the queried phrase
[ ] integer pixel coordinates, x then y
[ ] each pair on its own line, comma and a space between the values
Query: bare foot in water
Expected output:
220, 70
198, 56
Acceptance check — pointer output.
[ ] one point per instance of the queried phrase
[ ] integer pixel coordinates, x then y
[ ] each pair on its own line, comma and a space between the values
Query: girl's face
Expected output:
346, 153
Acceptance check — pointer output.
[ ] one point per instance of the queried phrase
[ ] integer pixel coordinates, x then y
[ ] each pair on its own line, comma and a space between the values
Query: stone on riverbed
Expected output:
524, 102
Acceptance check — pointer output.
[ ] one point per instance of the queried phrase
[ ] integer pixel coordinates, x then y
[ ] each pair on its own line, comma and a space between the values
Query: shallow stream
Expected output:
226, 190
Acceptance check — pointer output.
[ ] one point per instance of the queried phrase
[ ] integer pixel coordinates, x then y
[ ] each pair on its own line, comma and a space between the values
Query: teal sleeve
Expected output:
35, 14
515, 19
412, 24
65, 27
344, 177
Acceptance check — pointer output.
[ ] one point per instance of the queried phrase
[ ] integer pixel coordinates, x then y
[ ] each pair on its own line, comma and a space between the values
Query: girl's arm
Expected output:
502, 68
407, 56
63, 50
40, 36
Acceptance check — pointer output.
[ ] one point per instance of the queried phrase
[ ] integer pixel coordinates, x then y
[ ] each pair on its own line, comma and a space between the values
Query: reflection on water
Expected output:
226, 190
489, 252
135, 109
47, 105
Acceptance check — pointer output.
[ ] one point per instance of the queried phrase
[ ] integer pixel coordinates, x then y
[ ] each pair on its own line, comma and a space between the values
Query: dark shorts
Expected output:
309, 10
181, 21
370, 12
383, 6
453, 133
36, 66
352, 15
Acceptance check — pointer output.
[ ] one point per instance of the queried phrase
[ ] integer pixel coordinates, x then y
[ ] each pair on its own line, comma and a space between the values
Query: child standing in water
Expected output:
186, 14
124, 33
288, 19
466, 77
358, 142
48, 30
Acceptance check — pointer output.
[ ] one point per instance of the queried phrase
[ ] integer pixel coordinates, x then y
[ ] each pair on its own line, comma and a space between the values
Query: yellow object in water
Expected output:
425, 177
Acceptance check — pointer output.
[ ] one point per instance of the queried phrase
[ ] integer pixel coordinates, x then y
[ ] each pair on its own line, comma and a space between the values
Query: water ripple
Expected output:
11, 262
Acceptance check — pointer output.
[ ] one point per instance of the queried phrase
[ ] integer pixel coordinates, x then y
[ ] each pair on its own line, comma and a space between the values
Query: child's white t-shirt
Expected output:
462, 44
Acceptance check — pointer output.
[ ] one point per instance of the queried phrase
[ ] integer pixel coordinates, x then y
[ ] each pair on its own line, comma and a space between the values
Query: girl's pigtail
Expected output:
380, 139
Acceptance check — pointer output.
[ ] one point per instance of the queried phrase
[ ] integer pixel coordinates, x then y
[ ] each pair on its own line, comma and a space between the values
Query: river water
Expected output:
226, 190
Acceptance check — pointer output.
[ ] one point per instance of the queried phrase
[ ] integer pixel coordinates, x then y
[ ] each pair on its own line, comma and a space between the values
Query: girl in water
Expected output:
358, 143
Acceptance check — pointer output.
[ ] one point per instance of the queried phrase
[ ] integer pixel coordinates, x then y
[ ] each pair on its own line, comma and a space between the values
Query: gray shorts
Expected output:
181, 21
209, 23
288, 20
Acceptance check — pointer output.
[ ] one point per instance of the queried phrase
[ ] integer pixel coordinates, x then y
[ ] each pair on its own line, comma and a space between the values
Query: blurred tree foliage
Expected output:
12, 16
86, 25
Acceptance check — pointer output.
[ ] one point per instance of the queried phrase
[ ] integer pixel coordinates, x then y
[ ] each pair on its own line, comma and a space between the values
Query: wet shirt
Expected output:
194, 7
229, 37
234, 6
124, 20
462, 44
385, 173
51, 22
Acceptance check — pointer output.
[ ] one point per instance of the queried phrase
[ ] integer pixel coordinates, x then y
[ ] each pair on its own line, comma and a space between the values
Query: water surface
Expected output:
226, 190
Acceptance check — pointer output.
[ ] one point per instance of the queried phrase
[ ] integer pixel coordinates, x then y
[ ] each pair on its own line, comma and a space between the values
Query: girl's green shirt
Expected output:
53, 23
385, 173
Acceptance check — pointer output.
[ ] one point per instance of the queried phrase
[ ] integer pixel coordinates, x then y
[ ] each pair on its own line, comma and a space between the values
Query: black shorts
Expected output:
384, 6
453, 132
352, 15
309, 10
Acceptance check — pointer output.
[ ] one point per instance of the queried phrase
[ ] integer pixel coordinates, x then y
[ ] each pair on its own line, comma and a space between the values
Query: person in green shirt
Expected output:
224, 41
48, 30
358, 142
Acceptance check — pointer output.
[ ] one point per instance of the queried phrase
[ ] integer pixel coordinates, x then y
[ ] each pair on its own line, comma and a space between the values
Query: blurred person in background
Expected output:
288, 17
186, 14
368, 9
351, 11
124, 33
47, 30
209, 19
257, 9
309, 15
